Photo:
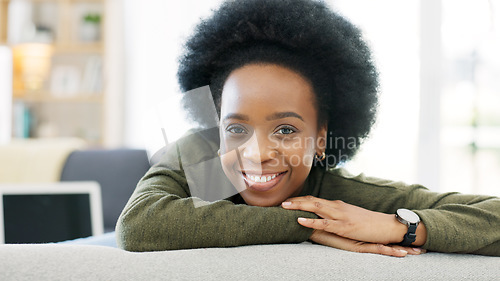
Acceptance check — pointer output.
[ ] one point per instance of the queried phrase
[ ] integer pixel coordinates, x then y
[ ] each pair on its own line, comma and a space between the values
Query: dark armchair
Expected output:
116, 170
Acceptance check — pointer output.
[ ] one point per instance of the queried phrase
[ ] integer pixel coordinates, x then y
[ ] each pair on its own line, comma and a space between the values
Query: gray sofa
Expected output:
261, 262
97, 258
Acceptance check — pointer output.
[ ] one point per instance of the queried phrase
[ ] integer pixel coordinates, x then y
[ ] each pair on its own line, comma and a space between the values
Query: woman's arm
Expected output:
461, 223
450, 222
161, 214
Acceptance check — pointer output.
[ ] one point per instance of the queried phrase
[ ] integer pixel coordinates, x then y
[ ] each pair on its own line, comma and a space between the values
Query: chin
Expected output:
261, 202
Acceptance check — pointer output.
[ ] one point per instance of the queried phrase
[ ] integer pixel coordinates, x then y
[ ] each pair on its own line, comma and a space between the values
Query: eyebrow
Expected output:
236, 116
274, 116
281, 115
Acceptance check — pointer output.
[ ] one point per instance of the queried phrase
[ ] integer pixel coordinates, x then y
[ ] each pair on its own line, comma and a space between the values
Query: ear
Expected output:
321, 139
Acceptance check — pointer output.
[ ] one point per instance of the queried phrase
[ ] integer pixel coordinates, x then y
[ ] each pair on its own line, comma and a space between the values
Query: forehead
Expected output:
260, 89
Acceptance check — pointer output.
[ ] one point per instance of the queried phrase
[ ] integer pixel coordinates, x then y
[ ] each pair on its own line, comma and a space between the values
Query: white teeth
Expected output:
261, 178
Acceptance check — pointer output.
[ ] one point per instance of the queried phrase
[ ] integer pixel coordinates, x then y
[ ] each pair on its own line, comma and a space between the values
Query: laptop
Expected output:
49, 212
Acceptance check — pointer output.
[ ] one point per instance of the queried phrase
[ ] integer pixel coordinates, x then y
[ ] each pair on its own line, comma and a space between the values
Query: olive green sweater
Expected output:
162, 215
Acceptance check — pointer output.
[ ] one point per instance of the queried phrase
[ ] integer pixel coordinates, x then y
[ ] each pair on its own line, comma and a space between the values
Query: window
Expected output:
470, 112
466, 35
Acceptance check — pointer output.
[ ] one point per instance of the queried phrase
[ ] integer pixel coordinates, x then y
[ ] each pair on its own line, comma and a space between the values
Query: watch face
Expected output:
408, 215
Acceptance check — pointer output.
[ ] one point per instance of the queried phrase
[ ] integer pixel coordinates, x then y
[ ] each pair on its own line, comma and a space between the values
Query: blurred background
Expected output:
96, 69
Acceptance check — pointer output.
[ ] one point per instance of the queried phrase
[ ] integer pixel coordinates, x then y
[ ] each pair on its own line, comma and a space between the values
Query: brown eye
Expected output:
237, 130
287, 130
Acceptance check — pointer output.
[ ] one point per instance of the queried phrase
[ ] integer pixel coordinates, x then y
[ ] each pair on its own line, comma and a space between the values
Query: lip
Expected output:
263, 186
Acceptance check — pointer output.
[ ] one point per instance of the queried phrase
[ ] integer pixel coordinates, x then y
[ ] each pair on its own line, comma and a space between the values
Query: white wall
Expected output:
5, 94
153, 41
115, 65
391, 29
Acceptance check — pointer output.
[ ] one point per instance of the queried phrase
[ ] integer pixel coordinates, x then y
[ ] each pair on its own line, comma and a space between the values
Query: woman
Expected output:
296, 93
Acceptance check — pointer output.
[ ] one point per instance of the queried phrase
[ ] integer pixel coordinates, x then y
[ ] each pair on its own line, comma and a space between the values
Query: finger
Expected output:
302, 198
381, 249
320, 224
308, 198
410, 250
317, 207
335, 241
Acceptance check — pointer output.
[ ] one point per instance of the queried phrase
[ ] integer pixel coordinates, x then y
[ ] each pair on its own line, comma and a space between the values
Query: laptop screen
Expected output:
50, 213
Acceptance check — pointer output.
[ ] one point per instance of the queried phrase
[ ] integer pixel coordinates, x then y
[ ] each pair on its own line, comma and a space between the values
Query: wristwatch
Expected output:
411, 220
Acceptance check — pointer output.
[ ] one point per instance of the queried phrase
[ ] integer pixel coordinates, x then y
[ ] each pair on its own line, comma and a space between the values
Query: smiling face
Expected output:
269, 132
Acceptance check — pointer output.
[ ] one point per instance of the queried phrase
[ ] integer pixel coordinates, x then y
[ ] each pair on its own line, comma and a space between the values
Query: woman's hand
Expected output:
335, 241
350, 227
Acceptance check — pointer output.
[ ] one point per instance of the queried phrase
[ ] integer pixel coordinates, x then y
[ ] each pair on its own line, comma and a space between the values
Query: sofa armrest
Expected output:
260, 262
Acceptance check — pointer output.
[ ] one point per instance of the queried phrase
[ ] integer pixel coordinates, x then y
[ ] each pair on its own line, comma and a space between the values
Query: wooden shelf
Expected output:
62, 1
4, 5
82, 114
79, 48
73, 48
42, 96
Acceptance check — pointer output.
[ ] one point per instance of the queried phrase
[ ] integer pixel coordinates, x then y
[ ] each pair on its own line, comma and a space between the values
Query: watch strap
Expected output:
410, 235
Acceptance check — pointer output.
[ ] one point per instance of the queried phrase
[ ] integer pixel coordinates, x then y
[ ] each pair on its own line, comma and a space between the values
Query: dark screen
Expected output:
42, 218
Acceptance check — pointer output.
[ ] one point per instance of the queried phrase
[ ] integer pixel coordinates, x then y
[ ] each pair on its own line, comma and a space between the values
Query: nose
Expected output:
258, 149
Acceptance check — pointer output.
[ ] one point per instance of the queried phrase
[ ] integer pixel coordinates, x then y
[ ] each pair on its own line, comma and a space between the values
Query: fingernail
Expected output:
404, 252
302, 219
418, 250
286, 203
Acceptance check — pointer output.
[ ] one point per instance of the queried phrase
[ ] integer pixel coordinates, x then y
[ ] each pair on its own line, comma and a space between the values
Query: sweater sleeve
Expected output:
455, 222
460, 223
162, 215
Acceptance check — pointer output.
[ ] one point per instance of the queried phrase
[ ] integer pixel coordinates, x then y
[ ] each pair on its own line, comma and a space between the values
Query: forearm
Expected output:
161, 215
159, 223
463, 228
453, 222
398, 231
489, 250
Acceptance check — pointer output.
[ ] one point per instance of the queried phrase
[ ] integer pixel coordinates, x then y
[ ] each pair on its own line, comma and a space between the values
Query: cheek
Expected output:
299, 152
230, 143
226, 164
229, 161
226, 155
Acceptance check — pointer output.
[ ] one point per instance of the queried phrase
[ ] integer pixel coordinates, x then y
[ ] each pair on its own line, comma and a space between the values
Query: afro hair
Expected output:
303, 35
